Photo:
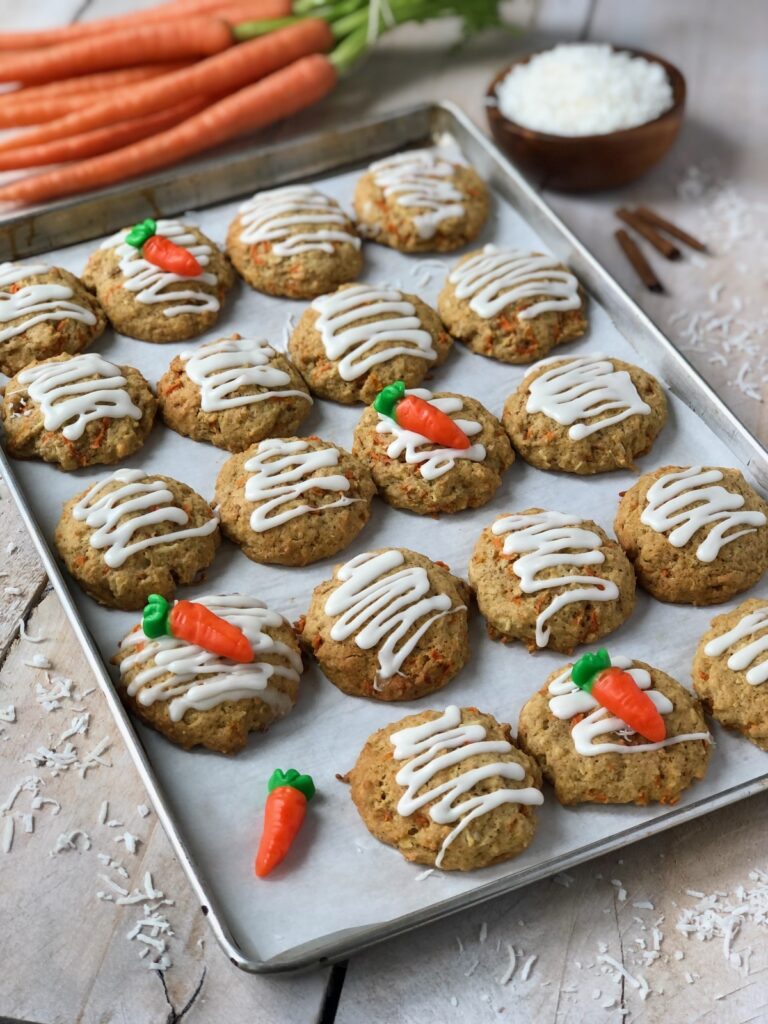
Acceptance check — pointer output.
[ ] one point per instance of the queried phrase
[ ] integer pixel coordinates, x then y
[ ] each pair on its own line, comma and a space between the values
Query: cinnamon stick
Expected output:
671, 229
663, 245
640, 264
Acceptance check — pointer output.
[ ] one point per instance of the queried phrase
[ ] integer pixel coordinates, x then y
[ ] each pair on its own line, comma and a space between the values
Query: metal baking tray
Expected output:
197, 793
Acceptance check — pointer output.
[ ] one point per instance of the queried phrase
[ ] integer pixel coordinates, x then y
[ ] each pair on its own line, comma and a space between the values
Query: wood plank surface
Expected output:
65, 952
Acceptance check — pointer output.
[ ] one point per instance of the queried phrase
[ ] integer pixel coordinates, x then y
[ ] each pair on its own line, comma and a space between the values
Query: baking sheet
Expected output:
340, 888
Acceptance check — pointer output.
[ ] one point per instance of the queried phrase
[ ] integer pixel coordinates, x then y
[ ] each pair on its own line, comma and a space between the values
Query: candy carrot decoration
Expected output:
162, 252
618, 692
286, 807
415, 414
193, 622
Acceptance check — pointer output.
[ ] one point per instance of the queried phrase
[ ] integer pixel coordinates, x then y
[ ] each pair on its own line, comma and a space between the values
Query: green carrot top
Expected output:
140, 233
587, 667
388, 397
154, 621
292, 778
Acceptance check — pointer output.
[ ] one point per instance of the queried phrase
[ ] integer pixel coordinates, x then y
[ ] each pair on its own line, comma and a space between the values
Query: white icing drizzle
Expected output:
190, 677
420, 179
419, 451
271, 216
495, 278
381, 609
116, 515
151, 283
690, 500
442, 743
547, 539
35, 302
351, 343
69, 400
583, 387
568, 700
281, 471
743, 657
220, 368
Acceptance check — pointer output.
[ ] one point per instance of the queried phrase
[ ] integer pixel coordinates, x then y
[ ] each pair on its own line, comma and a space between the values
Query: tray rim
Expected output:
433, 118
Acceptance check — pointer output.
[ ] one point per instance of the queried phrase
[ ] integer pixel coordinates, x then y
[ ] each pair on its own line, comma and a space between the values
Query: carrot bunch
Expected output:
109, 100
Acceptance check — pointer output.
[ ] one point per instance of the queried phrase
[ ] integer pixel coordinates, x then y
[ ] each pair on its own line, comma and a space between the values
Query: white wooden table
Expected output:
65, 952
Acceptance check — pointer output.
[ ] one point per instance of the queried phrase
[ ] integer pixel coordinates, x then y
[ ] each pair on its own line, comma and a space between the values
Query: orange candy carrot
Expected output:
284, 813
218, 75
279, 95
141, 45
413, 413
618, 692
193, 622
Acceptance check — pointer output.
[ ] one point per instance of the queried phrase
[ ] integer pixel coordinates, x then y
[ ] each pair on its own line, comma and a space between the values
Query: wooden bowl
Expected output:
582, 162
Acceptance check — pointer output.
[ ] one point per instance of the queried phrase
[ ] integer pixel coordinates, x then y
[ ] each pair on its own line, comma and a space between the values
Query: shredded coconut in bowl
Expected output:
584, 89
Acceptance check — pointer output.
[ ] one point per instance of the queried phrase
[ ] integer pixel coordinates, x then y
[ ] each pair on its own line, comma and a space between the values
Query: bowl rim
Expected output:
675, 75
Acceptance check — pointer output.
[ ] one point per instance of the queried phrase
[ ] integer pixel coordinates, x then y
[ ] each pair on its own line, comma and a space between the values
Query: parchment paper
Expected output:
338, 877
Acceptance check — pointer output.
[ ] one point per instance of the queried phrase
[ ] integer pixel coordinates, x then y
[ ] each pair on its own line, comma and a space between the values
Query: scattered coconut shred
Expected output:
584, 89
151, 930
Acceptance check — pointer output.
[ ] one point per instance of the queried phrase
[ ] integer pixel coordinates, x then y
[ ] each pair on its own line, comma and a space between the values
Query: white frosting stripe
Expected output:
567, 701
381, 607
582, 388
190, 677
220, 368
273, 216
281, 472
35, 303
395, 330
114, 516
495, 278
547, 539
433, 462
443, 743
420, 180
690, 500
152, 285
68, 399
746, 655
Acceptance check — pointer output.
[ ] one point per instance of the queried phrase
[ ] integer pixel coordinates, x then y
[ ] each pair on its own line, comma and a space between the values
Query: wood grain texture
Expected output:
65, 954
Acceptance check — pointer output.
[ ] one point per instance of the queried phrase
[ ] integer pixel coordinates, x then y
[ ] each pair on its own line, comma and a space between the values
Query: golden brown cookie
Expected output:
391, 625
589, 756
414, 802
130, 535
146, 302
418, 201
512, 306
44, 311
585, 414
348, 345
412, 472
293, 500
294, 241
197, 698
694, 535
550, 580
233, 393
77, 411
730, 670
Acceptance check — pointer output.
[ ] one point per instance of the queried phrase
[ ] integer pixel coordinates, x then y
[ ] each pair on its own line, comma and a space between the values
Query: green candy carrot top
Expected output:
284, 812
413, 413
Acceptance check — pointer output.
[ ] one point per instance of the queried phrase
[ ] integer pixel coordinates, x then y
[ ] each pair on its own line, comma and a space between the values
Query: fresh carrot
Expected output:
150, 16
144, 44
89, 84
284, 813
279, 95
618, 692
100, 140
21, 115
222, 74
193, 622
413, 413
